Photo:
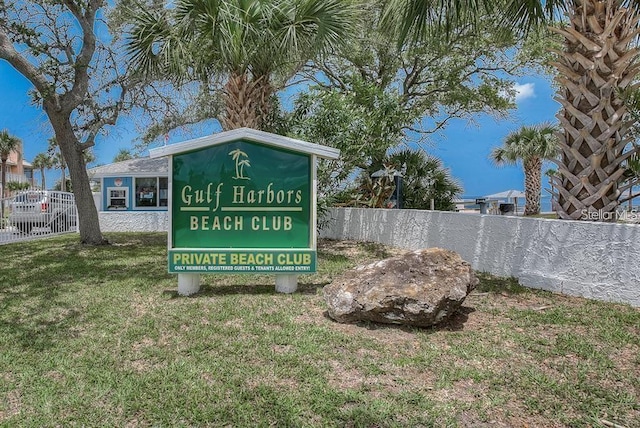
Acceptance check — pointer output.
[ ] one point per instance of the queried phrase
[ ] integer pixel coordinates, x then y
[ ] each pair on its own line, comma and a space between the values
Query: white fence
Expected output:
35, 214
593, 260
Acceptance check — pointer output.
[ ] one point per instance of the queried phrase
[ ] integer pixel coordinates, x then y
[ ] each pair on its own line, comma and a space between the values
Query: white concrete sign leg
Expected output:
188, 283
286, 283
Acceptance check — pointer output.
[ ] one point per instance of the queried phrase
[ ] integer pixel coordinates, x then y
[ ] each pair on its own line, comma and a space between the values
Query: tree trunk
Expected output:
42, 179
88, 220
4, 191
597, 62
532, 177
247, 102
63, 167
240, 111
263, 99
4, 178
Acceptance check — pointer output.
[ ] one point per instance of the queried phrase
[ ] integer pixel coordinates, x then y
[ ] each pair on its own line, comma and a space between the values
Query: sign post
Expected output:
242, 201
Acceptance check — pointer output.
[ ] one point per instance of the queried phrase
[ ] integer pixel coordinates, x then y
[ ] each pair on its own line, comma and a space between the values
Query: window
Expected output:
164, 191
151, 192
117, 198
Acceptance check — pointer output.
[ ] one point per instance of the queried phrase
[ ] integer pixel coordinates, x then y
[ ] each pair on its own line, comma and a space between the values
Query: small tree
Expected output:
42, 161
17, 185
531, 145
123, 155
424, 179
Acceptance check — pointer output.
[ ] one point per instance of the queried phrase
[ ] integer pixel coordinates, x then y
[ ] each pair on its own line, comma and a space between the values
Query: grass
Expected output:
98, 337
552, 216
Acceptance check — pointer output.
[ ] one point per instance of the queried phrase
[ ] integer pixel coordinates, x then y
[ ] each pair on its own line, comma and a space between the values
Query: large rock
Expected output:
419, 288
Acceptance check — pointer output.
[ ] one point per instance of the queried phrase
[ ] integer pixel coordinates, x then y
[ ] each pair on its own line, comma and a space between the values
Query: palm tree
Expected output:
8, 144
240, 164
42, 161
531, 145
253, 47
597, 64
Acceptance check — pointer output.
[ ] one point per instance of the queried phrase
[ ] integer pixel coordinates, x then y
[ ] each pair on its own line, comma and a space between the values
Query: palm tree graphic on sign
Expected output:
237, 156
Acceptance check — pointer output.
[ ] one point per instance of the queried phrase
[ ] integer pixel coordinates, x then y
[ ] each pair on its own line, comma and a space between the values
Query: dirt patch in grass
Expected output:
11, 405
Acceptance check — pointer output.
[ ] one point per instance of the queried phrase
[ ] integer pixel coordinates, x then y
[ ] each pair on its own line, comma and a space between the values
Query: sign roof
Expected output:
249, 135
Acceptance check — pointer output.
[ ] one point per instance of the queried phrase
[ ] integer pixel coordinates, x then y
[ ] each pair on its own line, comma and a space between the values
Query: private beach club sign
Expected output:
242, 201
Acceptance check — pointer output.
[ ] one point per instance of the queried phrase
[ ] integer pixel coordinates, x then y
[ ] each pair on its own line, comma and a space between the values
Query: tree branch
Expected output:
76, 94
20, 63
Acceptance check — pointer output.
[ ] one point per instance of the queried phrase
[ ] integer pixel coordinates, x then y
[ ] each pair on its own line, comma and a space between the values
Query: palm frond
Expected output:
418, 19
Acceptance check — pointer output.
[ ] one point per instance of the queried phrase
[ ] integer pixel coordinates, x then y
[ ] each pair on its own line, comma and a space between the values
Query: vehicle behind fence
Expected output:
34, 214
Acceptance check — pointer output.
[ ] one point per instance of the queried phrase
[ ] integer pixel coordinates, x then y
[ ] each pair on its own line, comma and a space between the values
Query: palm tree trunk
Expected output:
63, 182
263, 102
42, 179
597, 61
247, 101
4, 178
4, 183
240, 103
532, 177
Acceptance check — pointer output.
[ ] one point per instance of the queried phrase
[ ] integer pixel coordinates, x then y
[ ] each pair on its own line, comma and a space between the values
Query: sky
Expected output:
463, 147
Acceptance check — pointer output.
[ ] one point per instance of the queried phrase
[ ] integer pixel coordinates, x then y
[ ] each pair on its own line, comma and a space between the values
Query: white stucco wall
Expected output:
594, 260
134, 221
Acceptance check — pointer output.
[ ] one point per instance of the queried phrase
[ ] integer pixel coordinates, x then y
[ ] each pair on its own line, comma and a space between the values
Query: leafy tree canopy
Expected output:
373, 96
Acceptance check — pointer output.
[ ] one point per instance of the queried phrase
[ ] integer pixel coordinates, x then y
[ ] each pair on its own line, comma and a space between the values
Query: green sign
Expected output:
240, 199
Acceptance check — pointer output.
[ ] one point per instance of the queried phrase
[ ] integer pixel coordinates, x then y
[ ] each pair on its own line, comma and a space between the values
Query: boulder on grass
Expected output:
420, 288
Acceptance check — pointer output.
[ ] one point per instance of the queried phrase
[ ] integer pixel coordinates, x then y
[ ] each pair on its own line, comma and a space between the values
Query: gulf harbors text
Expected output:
211, 196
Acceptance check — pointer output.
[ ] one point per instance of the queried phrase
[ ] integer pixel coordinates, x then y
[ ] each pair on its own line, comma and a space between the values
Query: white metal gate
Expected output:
33, 214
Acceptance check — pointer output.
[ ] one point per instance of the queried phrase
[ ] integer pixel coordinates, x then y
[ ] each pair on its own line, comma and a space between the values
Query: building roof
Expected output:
138, 166
249, 135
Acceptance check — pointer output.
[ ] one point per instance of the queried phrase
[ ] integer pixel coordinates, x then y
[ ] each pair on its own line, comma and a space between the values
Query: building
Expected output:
132, 185
18, 169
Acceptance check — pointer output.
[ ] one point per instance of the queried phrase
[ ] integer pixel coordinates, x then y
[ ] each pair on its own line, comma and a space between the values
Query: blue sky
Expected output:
463, 147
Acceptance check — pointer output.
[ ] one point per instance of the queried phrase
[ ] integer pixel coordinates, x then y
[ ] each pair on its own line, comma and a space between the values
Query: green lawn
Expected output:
98, 337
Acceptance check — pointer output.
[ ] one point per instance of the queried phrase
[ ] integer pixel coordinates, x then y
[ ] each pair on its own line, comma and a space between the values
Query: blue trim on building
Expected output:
126, 183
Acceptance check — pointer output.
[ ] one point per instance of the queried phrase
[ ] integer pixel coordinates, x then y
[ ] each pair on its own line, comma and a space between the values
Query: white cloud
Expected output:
524, 91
